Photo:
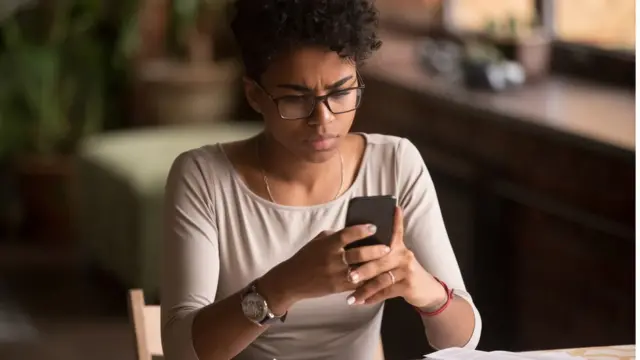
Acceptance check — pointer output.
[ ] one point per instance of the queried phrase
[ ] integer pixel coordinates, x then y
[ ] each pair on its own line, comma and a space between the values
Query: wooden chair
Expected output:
380, 351
145, 321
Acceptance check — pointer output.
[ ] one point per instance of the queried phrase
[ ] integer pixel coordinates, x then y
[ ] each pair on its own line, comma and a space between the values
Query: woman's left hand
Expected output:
396, 274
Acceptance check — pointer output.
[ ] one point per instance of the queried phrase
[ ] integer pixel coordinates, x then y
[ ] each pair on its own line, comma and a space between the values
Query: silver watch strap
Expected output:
269, 317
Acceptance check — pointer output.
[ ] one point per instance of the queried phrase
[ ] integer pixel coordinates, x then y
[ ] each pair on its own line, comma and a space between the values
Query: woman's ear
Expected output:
252, 92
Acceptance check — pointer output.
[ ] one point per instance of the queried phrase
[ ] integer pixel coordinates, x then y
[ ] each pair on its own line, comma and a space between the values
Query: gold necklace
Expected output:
266, 179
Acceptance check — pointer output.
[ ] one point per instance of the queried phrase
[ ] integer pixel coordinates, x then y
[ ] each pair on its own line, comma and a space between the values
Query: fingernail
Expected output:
372, 229
351, 300
354, 277
387, 249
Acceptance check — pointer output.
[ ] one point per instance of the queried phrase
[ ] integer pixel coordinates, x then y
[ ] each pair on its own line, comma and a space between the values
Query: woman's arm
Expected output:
425, 235
454, 327
224, 323
193, 327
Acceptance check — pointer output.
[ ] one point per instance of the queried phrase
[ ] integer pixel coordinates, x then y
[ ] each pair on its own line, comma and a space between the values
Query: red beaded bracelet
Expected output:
444, 306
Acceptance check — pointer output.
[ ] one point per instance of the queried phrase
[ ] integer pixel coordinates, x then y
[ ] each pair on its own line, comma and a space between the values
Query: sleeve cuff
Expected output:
473, 341
177, 338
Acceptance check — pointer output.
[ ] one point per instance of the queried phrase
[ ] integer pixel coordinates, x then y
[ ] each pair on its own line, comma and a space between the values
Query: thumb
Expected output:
398, 228
324, 234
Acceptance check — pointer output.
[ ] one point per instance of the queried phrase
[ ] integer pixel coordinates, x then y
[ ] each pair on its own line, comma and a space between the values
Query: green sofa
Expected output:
121, 177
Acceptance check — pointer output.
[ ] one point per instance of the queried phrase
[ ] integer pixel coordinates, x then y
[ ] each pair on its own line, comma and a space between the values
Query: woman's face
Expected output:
294, 80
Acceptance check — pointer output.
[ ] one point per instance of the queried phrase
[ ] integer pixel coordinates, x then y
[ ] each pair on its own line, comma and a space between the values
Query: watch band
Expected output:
269, 317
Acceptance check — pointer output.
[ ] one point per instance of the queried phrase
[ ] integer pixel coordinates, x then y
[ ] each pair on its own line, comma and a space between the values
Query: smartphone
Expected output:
376, 210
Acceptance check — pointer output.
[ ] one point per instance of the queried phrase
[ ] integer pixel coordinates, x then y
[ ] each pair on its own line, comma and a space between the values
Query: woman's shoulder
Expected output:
202, 163
397, 154
207, 155
381, 140
394, 146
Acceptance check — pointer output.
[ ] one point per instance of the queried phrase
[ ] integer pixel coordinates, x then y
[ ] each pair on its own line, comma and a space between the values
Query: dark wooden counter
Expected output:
574, 109
537, 190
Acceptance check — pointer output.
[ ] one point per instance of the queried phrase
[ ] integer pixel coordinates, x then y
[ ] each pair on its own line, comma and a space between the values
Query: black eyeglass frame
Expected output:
318, 99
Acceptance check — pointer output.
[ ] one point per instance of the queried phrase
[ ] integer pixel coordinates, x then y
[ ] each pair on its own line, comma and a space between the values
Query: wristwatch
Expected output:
256, 308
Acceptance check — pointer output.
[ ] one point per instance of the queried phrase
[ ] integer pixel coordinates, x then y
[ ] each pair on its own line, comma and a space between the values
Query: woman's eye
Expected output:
340, 94
295, 99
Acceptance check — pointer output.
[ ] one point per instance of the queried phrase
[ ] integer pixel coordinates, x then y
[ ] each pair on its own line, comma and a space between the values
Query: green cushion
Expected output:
143, 156
121, 178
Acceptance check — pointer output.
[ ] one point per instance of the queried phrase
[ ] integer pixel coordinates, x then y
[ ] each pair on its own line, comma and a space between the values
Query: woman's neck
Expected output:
281, 164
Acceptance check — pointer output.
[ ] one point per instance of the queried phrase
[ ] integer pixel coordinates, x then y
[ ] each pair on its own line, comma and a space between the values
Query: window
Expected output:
592, 39
608, 24
479, 15
415, 13
602, 23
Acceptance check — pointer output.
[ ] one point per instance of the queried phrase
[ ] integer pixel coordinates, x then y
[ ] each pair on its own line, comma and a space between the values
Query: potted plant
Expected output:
51, 95
188, 83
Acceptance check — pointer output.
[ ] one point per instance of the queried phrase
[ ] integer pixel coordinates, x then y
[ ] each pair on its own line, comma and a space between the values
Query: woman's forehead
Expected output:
311, 67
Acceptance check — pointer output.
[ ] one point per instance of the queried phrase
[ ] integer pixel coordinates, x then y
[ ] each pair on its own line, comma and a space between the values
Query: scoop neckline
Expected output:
340, 199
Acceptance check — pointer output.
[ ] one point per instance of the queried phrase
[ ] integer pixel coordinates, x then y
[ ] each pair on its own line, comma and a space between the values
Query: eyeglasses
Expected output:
298, 107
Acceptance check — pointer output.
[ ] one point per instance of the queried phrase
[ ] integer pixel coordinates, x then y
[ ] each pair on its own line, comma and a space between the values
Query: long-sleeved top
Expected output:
220, 236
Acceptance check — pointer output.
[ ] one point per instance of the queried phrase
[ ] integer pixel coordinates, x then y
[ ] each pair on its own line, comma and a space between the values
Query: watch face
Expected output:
254, 307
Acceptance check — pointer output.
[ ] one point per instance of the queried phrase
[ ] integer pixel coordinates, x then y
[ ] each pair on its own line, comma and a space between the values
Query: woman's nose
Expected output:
321, 115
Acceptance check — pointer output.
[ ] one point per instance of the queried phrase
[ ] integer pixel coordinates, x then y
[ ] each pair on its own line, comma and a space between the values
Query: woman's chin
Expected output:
320, 156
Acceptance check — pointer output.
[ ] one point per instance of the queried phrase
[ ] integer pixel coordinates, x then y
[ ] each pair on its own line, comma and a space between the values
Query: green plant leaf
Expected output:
186, 16
128, 41
11, 34
52, 84
186, 10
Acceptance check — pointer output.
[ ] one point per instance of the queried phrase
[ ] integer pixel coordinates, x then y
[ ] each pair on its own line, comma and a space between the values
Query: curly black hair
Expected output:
265, 28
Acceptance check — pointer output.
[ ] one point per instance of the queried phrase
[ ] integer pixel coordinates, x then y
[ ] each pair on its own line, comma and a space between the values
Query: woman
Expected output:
255, 266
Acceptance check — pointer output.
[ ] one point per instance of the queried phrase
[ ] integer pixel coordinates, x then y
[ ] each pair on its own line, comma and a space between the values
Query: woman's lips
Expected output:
323, 144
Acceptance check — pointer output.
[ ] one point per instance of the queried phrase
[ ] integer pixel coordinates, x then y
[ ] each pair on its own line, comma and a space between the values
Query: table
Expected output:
620, 352
617, 352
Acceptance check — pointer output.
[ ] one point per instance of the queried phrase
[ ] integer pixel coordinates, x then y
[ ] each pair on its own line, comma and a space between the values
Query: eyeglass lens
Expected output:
298, 107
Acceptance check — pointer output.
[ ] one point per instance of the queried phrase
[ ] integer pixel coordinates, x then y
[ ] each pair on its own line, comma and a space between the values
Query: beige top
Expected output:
220, 236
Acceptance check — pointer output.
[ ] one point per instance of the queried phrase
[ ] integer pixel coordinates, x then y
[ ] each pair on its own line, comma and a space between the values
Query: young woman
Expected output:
254, 260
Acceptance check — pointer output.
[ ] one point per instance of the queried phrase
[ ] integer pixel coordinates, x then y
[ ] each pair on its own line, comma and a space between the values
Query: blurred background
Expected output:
523, 110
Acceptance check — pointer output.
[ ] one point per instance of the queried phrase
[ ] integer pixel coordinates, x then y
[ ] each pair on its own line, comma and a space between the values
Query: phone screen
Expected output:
376, 210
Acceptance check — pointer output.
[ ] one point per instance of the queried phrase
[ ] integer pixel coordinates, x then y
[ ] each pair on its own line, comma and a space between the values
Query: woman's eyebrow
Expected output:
303, 88
339, 83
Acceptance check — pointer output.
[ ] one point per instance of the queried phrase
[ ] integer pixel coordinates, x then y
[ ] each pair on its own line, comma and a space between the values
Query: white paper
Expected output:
465, 354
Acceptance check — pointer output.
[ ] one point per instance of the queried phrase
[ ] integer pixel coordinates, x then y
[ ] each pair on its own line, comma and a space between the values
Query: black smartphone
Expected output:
376, 210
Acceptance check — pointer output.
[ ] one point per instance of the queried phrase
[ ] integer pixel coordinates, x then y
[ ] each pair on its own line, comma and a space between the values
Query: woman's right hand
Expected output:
320, 268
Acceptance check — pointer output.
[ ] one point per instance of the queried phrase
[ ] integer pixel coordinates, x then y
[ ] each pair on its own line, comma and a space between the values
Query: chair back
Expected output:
380, 351
145, 322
